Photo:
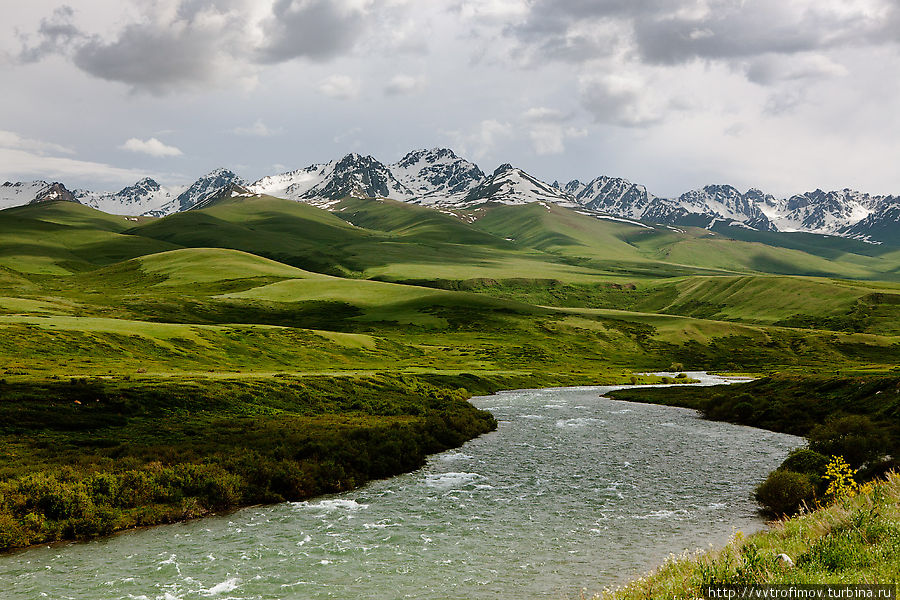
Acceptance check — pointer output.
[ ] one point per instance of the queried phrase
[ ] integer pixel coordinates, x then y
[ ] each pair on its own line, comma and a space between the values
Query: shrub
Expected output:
855, 437
804, 460
785, 492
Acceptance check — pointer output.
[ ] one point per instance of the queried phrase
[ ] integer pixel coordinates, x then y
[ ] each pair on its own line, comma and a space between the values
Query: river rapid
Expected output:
574, 492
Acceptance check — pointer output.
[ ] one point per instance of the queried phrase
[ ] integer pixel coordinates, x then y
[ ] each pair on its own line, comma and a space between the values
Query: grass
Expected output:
246, 352
854, 541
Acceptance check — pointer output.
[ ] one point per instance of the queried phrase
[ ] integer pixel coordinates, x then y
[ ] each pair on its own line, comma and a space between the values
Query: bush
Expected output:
855, 437
804, 460
785, 492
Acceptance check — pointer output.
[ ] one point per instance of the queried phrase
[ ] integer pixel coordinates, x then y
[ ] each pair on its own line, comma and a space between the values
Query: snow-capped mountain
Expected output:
354, 175
208, 185
704, 207
509, 185
882, 224
437, 176
293, 184
27, 192
612, 195
822, 212
143, 197
723, 203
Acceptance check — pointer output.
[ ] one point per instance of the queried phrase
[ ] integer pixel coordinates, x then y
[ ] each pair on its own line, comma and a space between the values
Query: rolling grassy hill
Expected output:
259, 349
269, 262
662, 251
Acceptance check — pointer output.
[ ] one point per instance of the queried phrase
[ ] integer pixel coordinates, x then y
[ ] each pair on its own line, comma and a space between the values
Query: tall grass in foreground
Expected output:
854, 540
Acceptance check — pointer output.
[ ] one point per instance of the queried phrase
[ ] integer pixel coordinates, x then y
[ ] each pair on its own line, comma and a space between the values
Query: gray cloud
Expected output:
314, 29
620, 100
770, 69
195, 43
55, 35
738, 32
677, 31
150, 58
402, 84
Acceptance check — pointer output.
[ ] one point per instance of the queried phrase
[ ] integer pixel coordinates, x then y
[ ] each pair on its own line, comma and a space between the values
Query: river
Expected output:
574, 492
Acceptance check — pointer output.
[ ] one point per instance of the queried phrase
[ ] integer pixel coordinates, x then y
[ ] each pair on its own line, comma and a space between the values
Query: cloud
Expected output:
668, 32
12, 140
481, 141
742, 30
401, 84
177, 45
770, 69
21, 164
193, 44
341, 87
152, 146
547, 129
616, 99
313, 29
550, 138
499, 10
351, 135
258, 129
55, 35
542, 114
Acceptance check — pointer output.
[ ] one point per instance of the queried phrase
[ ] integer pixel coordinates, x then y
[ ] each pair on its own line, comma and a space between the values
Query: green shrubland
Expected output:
90, 456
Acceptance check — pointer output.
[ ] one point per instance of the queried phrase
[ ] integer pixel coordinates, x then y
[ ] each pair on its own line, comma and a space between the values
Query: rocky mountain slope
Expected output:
440, 178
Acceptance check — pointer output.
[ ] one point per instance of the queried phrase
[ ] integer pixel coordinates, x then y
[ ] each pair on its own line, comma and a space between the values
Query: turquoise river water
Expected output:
574, 492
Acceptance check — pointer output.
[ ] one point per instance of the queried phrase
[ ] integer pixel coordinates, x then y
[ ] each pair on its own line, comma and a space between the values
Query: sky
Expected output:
672, 94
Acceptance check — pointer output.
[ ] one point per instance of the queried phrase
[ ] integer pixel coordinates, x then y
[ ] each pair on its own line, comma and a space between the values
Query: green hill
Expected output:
59, 238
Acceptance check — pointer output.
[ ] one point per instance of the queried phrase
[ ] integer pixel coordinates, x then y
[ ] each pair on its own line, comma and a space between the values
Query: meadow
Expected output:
259, 349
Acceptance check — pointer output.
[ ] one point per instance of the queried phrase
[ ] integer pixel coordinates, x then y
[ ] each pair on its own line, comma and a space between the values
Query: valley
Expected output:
260, 350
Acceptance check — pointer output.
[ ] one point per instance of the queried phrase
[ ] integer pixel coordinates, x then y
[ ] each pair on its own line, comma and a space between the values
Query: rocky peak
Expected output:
53, 192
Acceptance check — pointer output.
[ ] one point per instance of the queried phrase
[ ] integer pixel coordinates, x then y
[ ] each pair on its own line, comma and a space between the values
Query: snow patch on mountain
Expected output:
144, 196
509, 185
204, 188
20, 193
436, 176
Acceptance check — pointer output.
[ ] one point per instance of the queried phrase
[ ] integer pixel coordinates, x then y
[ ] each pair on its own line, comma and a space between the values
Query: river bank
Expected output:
571, 491
86, 457
855, 541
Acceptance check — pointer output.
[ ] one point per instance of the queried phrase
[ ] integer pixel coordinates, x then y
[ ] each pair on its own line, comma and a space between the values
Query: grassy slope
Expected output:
238, 293
794, 301
664, 251
63, 237
204, 293
855, 541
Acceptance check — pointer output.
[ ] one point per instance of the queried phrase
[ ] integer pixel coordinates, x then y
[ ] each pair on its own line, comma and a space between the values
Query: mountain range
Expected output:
440, 179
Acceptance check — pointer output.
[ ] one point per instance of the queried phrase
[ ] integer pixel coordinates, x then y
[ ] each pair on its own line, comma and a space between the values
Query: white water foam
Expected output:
449, 481
451, 456
578, 422
333, 504
229, 585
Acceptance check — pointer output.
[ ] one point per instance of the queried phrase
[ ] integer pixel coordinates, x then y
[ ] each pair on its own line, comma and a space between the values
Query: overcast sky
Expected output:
782, 95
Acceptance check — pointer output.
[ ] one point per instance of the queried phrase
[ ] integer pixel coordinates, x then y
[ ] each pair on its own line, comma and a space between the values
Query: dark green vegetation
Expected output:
89, 456
260, 349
